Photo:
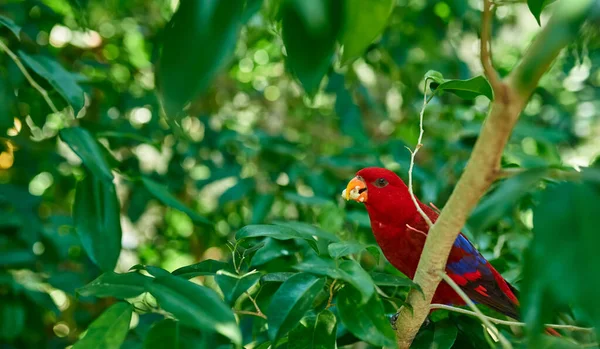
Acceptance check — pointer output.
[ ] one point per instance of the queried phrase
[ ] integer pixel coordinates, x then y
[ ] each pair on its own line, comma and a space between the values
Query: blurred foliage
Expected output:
269, 108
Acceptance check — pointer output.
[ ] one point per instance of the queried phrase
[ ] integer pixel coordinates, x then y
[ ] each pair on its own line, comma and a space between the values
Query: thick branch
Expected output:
483, 165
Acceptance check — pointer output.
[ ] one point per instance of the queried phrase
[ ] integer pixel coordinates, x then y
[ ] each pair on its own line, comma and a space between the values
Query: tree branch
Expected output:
508, 322
31, 81
503, 341
483, 165
485, 48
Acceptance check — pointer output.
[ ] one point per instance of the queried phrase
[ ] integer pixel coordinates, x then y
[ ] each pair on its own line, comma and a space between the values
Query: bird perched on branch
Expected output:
400, 231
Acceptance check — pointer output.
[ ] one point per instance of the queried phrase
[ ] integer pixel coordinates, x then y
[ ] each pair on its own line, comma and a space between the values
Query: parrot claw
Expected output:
393, 319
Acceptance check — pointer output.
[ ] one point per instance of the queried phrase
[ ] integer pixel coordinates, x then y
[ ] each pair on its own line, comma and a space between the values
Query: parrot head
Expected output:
384, 194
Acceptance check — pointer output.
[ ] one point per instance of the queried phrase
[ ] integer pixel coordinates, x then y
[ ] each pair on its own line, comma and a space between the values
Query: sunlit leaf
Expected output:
383, 279
195, 306
110, 284
162, 193
364, 21
62, 80
366, 321
88, 149
344, 248
310, 29
186, 67
206, 267
308, 229
109, 330
96, 213
465, 89
291, 301
315, 331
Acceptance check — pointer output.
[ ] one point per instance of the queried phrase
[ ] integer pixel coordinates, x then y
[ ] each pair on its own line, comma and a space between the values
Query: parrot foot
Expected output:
394, 318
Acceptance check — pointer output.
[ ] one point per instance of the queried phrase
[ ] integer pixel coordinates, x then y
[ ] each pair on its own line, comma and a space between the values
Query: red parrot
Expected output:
400, 231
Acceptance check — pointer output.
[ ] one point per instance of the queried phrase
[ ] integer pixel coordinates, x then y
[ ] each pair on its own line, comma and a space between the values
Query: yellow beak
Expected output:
356, 190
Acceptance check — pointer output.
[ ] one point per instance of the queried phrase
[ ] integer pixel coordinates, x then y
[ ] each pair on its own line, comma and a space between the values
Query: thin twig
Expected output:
507, 322
245, 312
31, 81
258, 311
486, 48
503, 341
330, 294
412, 158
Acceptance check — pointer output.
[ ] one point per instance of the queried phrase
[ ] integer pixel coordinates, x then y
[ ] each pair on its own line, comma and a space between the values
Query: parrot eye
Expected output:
381, 182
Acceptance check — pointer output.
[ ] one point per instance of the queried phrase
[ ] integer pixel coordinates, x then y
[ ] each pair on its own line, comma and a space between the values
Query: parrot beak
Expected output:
356, 190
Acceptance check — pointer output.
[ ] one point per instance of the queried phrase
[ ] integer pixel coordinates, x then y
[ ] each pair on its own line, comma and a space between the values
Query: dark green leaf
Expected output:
310, 29
96, 213
275, 232
8, 23
314, 332
206, 267
187, 67
465, 89
349, 271
240, 190
344, 248
233, 285
502, 200
367, 321
261, 207
536, 7
62, 80
444, 335
109, 330
12, 318
16, 257
195, 306
383, 279
110, 284
162, 193
169, 333
270, 250
364, 21
88, 150
291, 301
561, 265
308, 229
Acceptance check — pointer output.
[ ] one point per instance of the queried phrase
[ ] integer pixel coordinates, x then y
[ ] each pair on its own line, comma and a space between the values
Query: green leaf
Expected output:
314, 332
310, 29
109, 330
261, 207
195, 306
465, 89
7, 100
12, 318
500, 202
206, 267
364, 21
240, 190
344, 248
233, 285
383, 279
17, 257
444, 334
169, 333
62, 80
561, 266
110, 284
274, 231
366, 321
8, 23
308, 229
96, 213
197, 43
276, 277
536, 7
291, 301
162, 193
88, 150
348, 271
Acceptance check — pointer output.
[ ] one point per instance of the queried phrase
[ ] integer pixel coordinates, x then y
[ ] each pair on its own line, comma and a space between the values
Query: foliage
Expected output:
182, 187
